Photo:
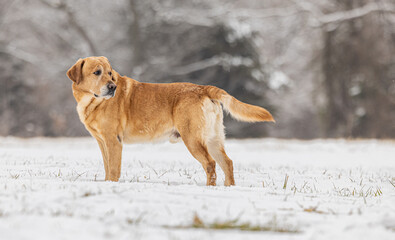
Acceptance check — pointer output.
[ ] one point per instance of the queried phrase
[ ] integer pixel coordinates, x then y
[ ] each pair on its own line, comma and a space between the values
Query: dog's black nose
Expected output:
111, 86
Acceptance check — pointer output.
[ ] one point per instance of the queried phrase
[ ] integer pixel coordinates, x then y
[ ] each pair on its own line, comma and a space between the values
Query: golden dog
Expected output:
116, 109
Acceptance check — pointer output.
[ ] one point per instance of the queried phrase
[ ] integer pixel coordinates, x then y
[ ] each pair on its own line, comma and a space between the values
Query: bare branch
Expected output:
5, 9
337, 17
357, 13
224, 60
196, 66
308, 7
21, 55
204, 17
62, 6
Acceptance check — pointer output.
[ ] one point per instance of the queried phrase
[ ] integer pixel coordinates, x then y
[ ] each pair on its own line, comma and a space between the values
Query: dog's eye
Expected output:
98, 72
110, 73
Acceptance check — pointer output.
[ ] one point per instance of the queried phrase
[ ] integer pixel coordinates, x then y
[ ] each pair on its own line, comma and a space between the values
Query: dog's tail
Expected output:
239, 110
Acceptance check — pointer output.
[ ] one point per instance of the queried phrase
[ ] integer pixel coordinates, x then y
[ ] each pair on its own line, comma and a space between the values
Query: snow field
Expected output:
286, 189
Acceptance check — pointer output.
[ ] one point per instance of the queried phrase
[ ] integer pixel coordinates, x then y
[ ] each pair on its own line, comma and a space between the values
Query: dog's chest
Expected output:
86, 106
82, 107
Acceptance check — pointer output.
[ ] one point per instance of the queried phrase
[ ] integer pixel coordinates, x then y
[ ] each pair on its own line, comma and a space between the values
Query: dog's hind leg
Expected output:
190, 132
191, 127
200, 152
217, 151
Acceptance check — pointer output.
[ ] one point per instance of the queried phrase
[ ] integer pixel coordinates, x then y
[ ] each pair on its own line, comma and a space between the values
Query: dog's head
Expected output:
94, 75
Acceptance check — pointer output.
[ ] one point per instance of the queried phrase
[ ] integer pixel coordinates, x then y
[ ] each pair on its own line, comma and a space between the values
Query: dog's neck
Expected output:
86, 103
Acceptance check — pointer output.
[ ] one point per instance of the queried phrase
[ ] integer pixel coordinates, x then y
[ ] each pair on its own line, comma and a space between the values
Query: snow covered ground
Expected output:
285, 189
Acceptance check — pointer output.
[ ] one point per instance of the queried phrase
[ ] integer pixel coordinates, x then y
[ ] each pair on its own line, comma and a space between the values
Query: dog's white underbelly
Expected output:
173, 136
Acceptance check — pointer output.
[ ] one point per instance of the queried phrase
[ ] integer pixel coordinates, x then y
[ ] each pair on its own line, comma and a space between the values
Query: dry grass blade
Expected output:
285, 181
271, 226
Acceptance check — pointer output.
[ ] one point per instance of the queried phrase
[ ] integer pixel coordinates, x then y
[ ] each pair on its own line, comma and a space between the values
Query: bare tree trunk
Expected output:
331, 118
353, 76
135, 35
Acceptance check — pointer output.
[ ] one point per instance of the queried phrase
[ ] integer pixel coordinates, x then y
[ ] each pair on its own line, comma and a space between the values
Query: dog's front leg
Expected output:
104, 153
114, 157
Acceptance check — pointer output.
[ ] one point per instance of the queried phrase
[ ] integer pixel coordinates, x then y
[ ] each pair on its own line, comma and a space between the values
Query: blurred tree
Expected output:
20, 111
259, 51
134, 33
358, 67
217, 53
229, 60
73, 23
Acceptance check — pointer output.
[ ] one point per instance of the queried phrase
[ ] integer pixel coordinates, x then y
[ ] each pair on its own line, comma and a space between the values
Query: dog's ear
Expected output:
75, 72
115, 76
105, 58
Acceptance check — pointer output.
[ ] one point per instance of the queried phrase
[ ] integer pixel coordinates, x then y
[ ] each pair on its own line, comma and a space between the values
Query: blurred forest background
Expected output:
324, 68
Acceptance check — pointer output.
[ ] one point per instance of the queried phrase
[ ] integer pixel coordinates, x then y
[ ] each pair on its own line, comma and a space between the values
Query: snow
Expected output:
240, 30
336, 189
279, 79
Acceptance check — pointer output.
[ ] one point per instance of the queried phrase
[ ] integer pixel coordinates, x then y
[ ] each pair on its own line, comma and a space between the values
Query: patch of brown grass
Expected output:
271, 226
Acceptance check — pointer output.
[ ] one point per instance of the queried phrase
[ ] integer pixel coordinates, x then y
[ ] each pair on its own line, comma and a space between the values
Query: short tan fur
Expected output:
116, 110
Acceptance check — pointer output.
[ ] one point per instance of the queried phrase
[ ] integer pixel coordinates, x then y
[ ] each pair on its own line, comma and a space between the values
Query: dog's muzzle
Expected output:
111, 89
107, 91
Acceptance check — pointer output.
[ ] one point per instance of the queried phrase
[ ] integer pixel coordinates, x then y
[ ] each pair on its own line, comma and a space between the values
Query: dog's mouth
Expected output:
106, 92
107, 95
110, 94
